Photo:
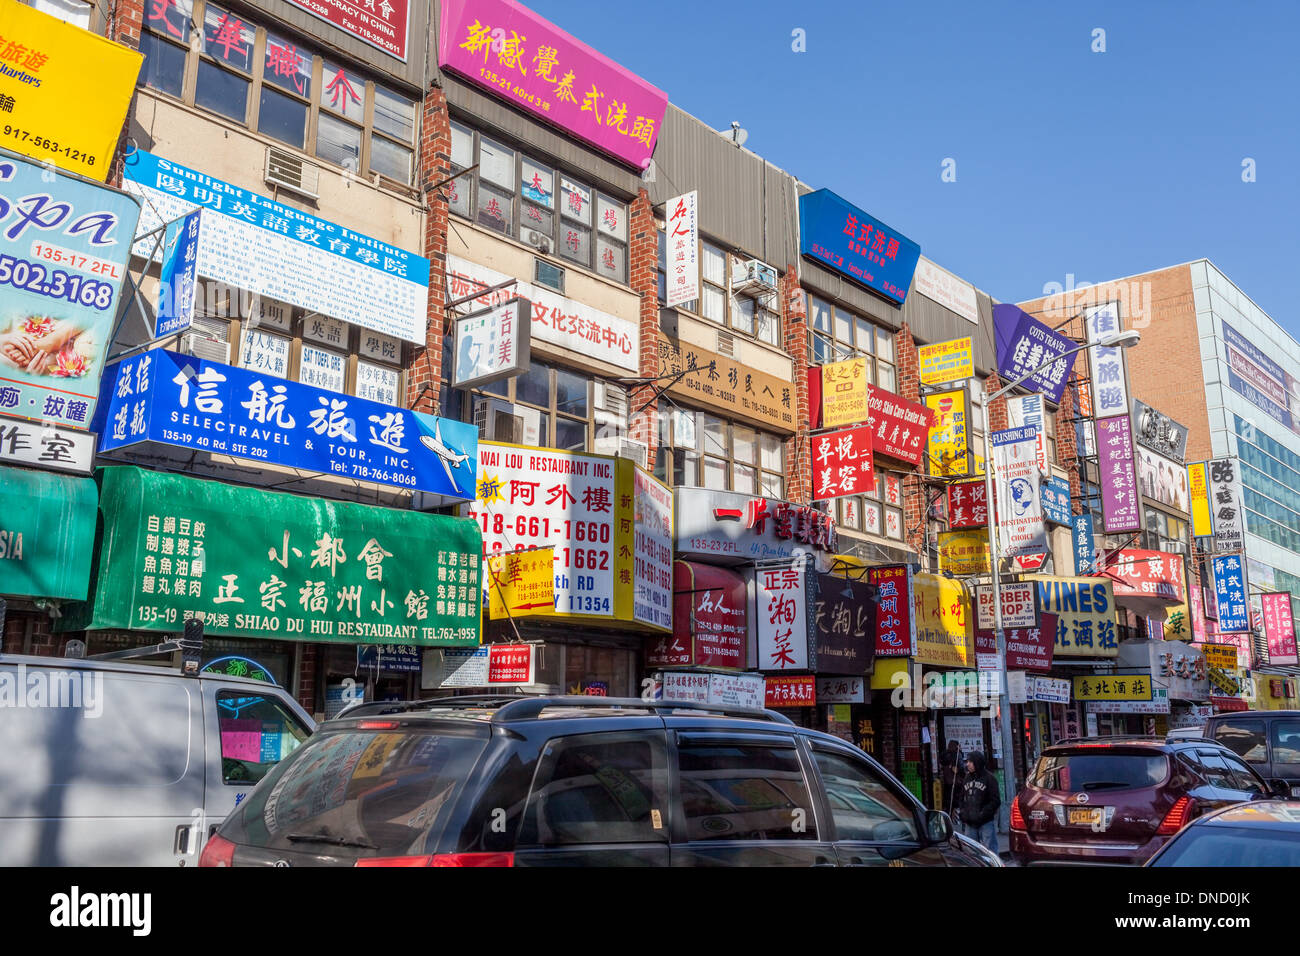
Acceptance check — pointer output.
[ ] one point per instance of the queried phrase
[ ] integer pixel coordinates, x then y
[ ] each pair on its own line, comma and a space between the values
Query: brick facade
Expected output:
798, 452
424, 373
643, 273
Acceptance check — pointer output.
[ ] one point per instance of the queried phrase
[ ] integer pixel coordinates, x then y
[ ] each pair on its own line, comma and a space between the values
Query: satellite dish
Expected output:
648, 173
738, 135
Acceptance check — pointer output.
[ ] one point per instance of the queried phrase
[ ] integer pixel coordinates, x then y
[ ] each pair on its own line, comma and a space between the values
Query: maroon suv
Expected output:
1119, 799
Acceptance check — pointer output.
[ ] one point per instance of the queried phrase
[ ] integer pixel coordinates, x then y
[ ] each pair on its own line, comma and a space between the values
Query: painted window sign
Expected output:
173, 17
228, 38
856, 244
1109, 383
287, 66
1025, 344
533, 64
345, 91
1232, 593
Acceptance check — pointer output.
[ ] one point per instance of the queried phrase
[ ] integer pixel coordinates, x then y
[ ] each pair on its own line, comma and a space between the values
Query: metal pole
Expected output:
1008, 763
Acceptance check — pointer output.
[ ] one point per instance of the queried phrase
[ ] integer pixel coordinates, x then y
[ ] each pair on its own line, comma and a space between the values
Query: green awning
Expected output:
47, 534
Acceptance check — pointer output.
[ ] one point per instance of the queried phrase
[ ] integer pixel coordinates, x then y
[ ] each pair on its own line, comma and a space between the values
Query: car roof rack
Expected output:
1114, 738
529, 707
373, 708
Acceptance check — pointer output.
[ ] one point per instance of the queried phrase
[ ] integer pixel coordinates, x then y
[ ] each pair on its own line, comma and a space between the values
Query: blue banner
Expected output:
172, 399
395, 658
1085, 546
1056, 500
179, 274
856, 244
1230, 594
1024, 344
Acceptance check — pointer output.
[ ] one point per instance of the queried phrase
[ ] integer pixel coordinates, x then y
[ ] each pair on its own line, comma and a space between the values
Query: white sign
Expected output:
540, 498
782, 616
841, 690
1017, 687
1019, 608
678, 685
384, 348
1225, 504
986, 662
492, 344
25, 442
322, 369
455, 667
682, 253
326, 331
945, 288
555, 319
1053, 690
377, 383
966, 729
265, 353
1109, 386
253, 242
653, 552
1021, 530
1027, 411
721, 690
1159, 704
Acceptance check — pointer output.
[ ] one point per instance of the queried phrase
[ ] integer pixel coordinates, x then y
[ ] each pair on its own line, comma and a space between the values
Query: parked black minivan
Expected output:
580, 781
1268, 740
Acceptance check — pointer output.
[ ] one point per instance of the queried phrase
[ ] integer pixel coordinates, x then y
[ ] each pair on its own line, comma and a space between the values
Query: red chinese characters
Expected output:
967, 505
842, 463
1139, 573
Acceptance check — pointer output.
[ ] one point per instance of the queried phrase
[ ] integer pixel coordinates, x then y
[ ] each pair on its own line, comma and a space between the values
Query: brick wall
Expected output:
643, 263
44, 640
798, 453
916, 490
424, 373
307, 678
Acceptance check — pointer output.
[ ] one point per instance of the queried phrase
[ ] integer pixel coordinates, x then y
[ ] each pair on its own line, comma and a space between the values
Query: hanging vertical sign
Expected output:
1109, 386
1225, 505
1120, 510
1027, 410
1085, 546
1279, 628
1056, 500
681, 262
1198, 482
786, 597
947, 449
179, 273
1230, 593
1020, 508
895, 626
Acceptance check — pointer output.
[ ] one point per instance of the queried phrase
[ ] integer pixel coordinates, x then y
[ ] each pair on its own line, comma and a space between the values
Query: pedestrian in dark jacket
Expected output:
979, 802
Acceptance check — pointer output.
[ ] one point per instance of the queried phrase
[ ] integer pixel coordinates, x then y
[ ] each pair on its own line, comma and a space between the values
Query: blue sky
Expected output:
1068, 161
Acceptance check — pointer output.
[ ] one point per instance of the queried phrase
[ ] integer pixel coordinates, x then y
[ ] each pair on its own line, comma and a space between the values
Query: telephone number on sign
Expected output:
55, 283
532, 526
44, 142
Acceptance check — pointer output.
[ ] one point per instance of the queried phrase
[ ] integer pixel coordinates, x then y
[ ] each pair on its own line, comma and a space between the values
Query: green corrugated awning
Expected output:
47, 534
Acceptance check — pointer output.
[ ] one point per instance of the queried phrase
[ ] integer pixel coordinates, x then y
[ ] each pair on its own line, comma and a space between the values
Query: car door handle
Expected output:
823, 861
181, 841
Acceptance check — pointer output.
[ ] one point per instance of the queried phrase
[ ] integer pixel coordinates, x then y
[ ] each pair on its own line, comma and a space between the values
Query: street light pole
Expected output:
1008, 763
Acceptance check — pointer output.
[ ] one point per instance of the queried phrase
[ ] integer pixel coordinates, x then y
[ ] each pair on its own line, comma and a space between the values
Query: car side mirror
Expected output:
938, 826
1280, 788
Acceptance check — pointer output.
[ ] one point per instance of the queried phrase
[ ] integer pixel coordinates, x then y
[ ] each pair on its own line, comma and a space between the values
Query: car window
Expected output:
1247, 779
1232, 846
257, 732
744, 792
862, 804
1286, 741
1084, 772
1245, 738
598, 788
1216, 770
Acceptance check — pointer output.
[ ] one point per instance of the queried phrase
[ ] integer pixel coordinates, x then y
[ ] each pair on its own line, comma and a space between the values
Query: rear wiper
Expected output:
331, 840
1107, 784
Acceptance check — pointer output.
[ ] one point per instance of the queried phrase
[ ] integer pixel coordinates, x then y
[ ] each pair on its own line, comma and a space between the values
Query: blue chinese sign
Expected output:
1230, 594
172, 399
857, 245
1085, 545
1025, 344
179, 274
64, 246
1056, 500
395, 658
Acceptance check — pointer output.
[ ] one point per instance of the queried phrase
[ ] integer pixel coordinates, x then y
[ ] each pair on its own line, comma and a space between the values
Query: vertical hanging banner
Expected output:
844, 393
1230, 591
179, 275
1020, 508
681, 258
1085, 545
1198, 483
947, 449
1109, 384
1225, 491
1279, 628
1027, 411
895, 626
786, 600
1120, 509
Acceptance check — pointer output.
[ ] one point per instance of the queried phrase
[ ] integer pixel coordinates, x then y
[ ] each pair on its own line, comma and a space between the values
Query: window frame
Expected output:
882, 369
903, 796
551, 414
671, 456
761, 304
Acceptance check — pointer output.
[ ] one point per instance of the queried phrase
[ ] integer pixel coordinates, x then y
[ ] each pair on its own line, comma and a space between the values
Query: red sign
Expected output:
510, 664
842, 463
791, 691
1229, 703
383, 24
968, 505
900, 428
895, 632
709, 620
1279, 627
1138, 573
1028, 649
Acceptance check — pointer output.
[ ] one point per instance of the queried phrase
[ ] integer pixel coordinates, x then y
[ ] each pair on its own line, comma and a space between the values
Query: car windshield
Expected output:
1088, 772
1232, 846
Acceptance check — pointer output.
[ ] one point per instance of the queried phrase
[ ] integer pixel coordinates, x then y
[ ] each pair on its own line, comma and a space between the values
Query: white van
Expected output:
108, 763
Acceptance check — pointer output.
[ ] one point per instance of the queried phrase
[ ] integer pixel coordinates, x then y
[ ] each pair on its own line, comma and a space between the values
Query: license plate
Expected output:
1085, 815
1295, 791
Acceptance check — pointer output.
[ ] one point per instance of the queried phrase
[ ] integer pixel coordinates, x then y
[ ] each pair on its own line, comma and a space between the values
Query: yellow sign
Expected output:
844, 393
1113, 687
946, 362
521, 583
64, 90
947, 447
1178, 623
1085, 614
964, 552
1223, 656
1202, 523
943, 621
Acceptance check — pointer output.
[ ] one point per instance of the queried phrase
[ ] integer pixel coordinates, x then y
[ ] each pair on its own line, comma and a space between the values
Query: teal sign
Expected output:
47, 534
254, 563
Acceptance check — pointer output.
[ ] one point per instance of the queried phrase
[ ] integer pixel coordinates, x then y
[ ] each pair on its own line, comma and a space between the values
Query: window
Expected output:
256, 734
1082, 773
862, 805
835, 334
744, 792
879, 511
1246, 779
705, 451
266, 81
1245, 738
1286, 741
752, 315
598, 788
560, 398
524, 196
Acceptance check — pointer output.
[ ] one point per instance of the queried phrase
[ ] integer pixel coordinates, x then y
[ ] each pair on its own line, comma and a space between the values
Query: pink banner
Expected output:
1279, 628
1119, 493
530, 62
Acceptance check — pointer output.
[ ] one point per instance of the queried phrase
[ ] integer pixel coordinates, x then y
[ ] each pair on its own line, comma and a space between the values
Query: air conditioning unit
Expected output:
202, 347
623, 447
539, 241
611, 399
291, 172
727, 344
499, 420
753, 276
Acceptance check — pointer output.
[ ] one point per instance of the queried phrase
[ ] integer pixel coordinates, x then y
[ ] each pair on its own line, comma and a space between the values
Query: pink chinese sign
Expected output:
511, 51
1279, 628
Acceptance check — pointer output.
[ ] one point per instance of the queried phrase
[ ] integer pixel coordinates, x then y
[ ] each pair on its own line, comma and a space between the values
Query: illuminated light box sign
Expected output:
856, 244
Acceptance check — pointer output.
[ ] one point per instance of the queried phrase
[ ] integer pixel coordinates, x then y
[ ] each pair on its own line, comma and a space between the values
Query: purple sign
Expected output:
533, 64
1024, 344
1119, 497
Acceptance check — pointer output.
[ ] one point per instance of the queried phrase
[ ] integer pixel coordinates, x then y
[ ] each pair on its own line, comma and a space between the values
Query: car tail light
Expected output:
441, 859
1017, 818
1176, 818
377, 725
217, 852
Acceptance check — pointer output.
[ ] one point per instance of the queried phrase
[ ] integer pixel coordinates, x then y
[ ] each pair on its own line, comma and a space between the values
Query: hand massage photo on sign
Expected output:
44, 345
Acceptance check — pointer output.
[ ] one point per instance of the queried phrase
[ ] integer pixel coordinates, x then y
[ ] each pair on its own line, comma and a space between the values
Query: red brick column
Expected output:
996, 416
916, 490
307, 678
798, 453
643, 271
424, 374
